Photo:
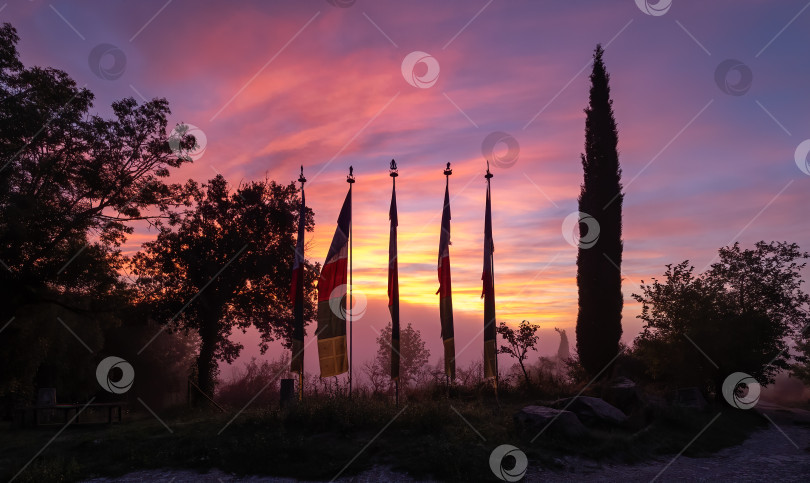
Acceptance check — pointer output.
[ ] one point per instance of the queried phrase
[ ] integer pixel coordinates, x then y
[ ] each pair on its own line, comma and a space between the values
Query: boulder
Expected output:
622, 393
648, 408
593, 411
531, 420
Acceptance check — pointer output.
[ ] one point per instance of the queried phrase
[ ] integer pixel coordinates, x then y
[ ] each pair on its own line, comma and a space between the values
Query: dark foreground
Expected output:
365, 440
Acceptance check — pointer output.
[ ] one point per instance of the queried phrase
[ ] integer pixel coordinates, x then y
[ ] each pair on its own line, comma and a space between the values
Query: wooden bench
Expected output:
46, 401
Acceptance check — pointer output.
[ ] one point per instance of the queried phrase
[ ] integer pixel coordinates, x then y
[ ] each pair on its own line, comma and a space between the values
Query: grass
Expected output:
319, 438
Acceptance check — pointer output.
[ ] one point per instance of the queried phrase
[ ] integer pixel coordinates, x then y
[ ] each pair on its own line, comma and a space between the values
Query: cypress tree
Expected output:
599, 280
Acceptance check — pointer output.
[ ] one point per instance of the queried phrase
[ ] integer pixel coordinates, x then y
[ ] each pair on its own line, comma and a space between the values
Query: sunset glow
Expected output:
275, 85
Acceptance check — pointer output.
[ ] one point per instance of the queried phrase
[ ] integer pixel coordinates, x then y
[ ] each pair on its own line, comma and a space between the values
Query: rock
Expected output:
534, 419
622, 393
691, 397
646, 410
593, 411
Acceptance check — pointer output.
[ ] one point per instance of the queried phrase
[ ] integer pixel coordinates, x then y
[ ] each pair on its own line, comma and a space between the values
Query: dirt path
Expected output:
767, 455
781, 452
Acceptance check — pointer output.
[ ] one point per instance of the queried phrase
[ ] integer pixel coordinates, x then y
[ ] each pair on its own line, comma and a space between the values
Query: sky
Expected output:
709, 97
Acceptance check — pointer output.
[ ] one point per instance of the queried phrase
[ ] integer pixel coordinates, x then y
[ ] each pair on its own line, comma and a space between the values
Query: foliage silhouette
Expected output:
740, 313
599, 281
519, 342
225, 263
71, 184
414, 357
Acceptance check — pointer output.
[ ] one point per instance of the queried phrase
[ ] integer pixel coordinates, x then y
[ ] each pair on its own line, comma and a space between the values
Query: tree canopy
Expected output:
519, 342
226, 262
414, 357
739, 315
71, 183
599, 280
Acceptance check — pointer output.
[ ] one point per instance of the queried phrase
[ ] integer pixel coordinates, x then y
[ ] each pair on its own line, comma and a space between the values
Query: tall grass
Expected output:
433, 433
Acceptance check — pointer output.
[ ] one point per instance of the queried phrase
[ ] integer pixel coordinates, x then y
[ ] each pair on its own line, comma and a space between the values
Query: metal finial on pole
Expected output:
301, 178
350, 180
488, 175
448, 171
393, 171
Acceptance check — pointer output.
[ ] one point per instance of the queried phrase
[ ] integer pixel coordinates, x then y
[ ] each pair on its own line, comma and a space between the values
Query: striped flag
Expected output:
490, 355
393, 285
445, 289
332, 298
297, 292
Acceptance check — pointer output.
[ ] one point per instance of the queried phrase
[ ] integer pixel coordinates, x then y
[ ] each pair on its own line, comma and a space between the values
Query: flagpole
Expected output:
302, 180
394, 175
447, 173
488, 177
350, 180
394, 172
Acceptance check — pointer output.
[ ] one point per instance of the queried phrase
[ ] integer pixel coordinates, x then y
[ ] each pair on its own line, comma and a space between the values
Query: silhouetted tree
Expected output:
599, 325
740, 314
413, 360
519, 342
226, 263
70, 184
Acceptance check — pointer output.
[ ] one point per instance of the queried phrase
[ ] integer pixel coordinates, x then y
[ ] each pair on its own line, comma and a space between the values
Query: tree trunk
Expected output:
206, 365
525, 374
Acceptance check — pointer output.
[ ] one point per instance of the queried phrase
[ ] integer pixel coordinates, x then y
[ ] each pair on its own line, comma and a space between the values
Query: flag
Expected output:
393, 285
445, 290
490, 355
332, 294
297, 293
